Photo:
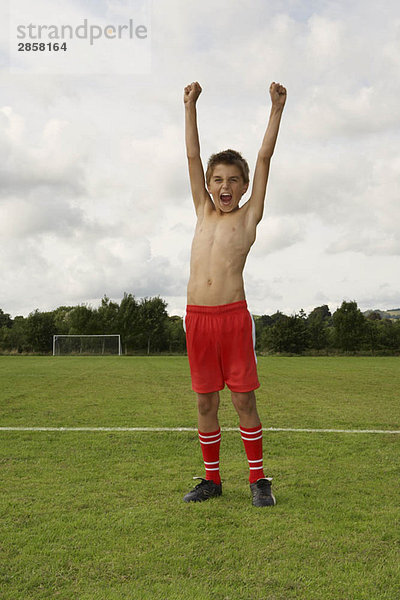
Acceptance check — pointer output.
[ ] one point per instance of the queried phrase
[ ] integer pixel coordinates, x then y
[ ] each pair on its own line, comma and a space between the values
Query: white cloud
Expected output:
276, 233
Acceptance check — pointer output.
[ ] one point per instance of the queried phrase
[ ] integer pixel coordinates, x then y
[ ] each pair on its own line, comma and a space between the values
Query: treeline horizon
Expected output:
145, 327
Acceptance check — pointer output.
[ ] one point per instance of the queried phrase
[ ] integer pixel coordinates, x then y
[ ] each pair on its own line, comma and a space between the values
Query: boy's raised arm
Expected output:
256, 202
196, 172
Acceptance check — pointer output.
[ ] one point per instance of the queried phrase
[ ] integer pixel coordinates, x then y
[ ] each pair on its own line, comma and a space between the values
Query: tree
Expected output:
318, 322
388, 335
127, 321
264, 325
289, 334
349, 323
374, 315
83, 320
39, 331
5, 320
16, 336
152, 319
5, 330
321, 313
176, 334
108, 316
371, 334
61, 321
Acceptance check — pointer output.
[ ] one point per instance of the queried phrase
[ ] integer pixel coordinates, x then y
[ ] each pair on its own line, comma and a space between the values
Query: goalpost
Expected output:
106, 344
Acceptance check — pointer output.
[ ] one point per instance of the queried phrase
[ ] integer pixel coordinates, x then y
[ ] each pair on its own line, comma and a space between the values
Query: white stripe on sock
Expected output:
213, 441
250, 432
207, 436
251, 439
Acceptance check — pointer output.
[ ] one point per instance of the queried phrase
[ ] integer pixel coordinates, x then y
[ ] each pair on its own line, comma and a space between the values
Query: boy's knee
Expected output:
207, 403
244, 402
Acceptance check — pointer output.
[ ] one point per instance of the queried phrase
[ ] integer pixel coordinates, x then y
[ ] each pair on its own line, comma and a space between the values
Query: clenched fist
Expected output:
278, 94
192, 92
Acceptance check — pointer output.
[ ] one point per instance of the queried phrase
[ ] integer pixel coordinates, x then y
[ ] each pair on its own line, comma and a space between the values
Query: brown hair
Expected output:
228, 157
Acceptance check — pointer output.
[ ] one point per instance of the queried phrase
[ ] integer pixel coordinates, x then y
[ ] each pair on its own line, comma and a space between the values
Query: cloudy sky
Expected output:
94, 192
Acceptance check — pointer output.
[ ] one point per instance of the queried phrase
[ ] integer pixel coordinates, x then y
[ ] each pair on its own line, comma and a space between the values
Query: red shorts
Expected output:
220, 346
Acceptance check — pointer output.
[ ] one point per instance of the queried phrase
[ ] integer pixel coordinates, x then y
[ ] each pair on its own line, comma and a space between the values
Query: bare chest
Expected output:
226, 237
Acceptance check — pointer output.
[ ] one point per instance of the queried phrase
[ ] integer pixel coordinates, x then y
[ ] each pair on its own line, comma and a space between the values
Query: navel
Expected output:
209, 281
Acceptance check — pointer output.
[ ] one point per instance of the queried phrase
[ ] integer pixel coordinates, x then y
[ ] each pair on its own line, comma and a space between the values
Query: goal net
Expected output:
86, 345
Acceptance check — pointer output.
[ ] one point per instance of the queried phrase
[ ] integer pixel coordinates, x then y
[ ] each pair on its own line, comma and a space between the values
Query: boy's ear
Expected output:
245, 188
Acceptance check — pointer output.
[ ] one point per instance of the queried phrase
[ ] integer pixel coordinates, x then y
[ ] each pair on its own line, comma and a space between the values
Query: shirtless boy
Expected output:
219, 328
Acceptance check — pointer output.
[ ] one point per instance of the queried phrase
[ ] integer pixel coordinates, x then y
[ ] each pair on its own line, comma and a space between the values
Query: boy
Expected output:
219, 328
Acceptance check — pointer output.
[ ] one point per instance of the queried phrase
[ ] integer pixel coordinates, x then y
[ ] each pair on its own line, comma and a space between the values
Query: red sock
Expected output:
253, 444
210, 443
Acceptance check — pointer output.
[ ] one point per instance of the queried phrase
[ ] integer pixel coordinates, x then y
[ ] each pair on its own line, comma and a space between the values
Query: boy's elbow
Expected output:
193, 157
265, 155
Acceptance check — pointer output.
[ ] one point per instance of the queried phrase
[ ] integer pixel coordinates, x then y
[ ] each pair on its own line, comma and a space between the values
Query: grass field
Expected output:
99, 515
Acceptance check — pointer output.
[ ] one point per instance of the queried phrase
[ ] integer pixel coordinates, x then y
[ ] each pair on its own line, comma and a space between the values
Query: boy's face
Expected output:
227, 187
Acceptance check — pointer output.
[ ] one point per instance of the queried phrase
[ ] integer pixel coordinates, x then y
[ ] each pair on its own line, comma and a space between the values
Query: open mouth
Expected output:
225, 199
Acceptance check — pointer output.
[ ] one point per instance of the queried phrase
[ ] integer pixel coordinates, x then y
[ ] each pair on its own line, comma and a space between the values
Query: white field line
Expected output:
193, 429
